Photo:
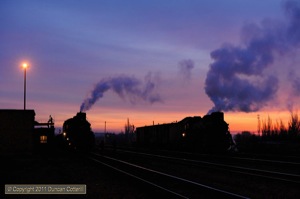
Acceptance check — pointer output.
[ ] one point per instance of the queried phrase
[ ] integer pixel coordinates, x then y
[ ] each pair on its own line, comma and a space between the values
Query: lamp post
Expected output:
25, 65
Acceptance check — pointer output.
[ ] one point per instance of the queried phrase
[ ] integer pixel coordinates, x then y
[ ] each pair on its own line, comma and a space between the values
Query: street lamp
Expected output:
25, 66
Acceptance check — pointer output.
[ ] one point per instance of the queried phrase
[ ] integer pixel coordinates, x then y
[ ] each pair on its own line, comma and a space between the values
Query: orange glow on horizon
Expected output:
238, 122
116, 118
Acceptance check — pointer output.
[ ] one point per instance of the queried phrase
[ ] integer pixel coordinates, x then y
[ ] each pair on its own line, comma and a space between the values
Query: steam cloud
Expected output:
126, 87
185, 68
296, 86
237, 80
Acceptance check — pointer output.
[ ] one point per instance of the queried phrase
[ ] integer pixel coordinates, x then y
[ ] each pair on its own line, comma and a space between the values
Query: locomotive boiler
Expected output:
77, 133
207, 134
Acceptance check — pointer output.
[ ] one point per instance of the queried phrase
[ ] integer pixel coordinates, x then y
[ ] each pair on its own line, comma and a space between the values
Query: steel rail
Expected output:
134, 176
226, 165
174, 177
238, 158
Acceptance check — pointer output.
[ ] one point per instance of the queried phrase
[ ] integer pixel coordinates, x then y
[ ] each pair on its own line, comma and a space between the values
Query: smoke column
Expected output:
185, 68
126, 87
237, 80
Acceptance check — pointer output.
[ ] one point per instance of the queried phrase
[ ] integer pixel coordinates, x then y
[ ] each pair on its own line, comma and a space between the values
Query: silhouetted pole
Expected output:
258, 124
25, 67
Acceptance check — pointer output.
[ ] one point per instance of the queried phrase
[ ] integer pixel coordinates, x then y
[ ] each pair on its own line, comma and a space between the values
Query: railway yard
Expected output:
143, 173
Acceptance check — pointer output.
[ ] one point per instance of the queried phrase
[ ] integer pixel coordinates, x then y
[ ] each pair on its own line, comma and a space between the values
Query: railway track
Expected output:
171, 183
279, 168
209, 176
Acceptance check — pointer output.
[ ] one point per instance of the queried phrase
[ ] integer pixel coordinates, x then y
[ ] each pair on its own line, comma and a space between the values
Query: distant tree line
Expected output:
278, 131
273, 136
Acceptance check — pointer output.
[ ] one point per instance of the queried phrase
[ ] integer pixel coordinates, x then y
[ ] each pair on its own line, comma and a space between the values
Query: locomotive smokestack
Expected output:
219, 116
81, 115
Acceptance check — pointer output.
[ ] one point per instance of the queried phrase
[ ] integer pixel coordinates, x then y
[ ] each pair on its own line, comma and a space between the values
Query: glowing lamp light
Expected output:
25, 65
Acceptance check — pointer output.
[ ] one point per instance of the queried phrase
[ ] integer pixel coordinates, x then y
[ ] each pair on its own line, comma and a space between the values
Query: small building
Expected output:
43, 136
21, 134
16, 131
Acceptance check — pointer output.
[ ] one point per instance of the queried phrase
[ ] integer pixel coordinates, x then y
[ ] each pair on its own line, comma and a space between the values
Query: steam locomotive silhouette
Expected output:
77, 133
209, 134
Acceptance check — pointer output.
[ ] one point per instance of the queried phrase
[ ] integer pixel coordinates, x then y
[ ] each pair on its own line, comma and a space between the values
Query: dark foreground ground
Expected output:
69, 168
65, 167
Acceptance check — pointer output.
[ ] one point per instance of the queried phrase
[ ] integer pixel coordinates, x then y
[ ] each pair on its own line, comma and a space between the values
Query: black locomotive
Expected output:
207, 134
77, 133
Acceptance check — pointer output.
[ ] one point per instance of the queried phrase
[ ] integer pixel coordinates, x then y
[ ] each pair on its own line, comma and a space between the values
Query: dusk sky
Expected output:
150, 60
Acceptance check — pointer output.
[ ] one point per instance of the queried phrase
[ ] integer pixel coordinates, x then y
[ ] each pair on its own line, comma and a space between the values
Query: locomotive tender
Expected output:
207, 134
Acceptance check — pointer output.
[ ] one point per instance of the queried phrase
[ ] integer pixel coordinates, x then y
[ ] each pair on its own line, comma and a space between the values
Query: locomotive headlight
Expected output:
183, 134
